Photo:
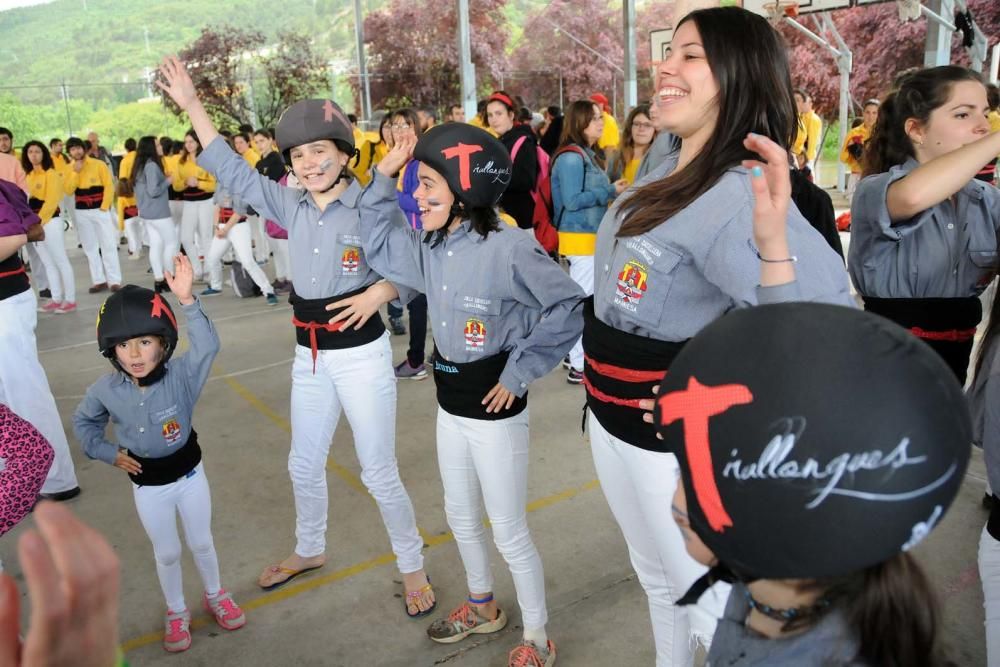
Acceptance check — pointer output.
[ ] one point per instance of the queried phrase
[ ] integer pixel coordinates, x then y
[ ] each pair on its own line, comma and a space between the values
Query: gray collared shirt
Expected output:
225, 199
153, 421
678, 277
946, 251
152, 192
485, 296
324, 246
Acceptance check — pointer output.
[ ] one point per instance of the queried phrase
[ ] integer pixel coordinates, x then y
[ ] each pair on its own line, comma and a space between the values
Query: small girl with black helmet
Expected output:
811, 508
343, 360
150, 400
503, 315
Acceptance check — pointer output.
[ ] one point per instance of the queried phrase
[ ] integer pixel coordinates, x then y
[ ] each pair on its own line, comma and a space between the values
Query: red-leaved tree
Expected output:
413, 50
882, 46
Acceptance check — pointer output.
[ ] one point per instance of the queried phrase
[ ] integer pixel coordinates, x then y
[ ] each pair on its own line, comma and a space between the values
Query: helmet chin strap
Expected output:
436, 237
344, 174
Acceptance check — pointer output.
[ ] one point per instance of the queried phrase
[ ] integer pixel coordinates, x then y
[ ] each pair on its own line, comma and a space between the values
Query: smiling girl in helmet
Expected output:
341, 338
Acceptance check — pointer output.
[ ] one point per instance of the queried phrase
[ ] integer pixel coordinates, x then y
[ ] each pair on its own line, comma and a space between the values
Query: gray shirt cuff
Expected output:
778, 293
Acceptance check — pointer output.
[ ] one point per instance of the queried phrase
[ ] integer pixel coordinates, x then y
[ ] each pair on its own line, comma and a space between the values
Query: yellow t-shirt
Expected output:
631, 169
810, 127
610, 137
859, 134
45, 186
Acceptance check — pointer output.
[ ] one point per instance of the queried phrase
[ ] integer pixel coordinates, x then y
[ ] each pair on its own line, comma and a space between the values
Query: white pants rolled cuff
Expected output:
989, 575
99, 237
639, 486
360, 382
239, 238
134, 234
158, 507
197, 232
486, 463
581, 270
282, 262
59, 271
24, 388
163, 245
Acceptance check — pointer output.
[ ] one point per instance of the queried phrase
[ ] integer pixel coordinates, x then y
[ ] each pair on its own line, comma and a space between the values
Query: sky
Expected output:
13, 4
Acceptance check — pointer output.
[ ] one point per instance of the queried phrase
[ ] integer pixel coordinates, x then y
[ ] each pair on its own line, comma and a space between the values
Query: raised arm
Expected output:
938, 179
178, 85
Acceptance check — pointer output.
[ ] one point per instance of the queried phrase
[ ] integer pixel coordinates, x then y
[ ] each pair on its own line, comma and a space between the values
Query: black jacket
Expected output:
816, 206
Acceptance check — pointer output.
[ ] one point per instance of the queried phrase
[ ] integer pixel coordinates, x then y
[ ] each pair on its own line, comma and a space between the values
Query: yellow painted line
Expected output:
313, 582
282, 423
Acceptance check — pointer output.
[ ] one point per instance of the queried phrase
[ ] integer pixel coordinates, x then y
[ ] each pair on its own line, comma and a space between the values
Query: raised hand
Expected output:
397, 158
771, 183
177, 82
181, 281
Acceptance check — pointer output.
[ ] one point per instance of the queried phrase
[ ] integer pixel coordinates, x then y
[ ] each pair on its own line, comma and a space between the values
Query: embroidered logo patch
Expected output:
171, 431
631, 284
350, 261
475, 335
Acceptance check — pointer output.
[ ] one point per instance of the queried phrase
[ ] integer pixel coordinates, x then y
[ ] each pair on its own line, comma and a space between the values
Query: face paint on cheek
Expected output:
434, 204
325, 165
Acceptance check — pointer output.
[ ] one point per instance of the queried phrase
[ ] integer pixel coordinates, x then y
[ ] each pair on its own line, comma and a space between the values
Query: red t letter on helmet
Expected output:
462, 152
694, 406
160, 309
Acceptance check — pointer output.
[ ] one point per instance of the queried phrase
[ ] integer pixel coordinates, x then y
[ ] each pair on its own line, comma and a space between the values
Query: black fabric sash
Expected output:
168, 469
462, 387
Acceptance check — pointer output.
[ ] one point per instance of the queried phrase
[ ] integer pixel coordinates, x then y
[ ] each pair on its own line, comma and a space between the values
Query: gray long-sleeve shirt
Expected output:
672, 281
152, 192
324, 246
223, 198
663, 146
153, 421
946, 251
485, 296
984, 404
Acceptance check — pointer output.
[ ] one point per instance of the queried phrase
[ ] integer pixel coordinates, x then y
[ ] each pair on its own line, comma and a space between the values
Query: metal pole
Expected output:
995, 64
359, 31
65, 96
561, 105
939, 32
614, 93
631, 84
465, 59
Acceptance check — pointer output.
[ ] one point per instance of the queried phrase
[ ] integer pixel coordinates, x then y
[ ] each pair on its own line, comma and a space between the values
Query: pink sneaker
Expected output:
177, 636
66, 307
50, 307
227, 613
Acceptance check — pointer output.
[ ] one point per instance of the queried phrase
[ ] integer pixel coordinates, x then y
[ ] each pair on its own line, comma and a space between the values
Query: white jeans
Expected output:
239, 238
989, 574
99, 238
259, 238
158, 507
639, 486
487, 462
176, 212
39, 276
197, 219
59, 271
163, 245
581, 270
134, 234
360, 381
25, 389
282, 263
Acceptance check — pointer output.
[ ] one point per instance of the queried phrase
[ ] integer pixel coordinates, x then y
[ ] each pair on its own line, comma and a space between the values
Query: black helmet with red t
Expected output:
307, 121
814, 441
132, 312
476, 166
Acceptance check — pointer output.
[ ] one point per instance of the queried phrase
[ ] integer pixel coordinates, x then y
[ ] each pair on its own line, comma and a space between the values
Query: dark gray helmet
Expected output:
313, 120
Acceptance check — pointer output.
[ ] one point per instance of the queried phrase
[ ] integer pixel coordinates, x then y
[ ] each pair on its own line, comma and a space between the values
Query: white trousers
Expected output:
158, 507
163, 245
134, 234
639, 486
39, 276
52, 252
989, 574
197, 221
176, 212
282, 263
261, 249
239, 238
360, 382
581, 270
68, 208
487, 462
99, 237
25, 389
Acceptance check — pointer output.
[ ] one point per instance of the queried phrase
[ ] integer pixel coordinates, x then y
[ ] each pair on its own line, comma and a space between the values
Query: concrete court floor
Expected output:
350, 612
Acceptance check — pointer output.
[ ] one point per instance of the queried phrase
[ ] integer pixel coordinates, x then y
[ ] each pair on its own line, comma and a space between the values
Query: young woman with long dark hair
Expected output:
501, 115
675, 254
196, 187
152, 188
923, 229
637, 136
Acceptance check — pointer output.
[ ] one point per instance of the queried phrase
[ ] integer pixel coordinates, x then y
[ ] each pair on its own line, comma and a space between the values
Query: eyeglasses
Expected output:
642, 125
400, 126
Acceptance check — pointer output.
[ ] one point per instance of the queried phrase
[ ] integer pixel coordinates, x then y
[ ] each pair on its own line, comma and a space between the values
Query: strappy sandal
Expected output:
413, 597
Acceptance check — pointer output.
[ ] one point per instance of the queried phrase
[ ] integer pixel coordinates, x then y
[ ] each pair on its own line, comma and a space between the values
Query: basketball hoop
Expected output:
909, 10
779, 9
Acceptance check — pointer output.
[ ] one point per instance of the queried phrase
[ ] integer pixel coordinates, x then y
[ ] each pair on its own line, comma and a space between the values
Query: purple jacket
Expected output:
15, 214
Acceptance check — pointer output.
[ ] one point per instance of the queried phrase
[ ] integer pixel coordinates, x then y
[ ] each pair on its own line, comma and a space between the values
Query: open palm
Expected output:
177, 82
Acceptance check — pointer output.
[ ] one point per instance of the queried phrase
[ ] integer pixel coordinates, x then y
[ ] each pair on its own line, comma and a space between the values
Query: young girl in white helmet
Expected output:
503, 315
341, 338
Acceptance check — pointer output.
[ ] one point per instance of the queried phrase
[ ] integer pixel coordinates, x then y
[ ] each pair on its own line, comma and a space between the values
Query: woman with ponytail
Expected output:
924, 230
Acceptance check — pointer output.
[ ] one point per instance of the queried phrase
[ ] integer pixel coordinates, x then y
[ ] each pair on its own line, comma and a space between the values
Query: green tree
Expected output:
135, 120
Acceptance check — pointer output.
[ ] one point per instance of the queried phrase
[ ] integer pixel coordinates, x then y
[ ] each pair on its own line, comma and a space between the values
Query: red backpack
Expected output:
546, 233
